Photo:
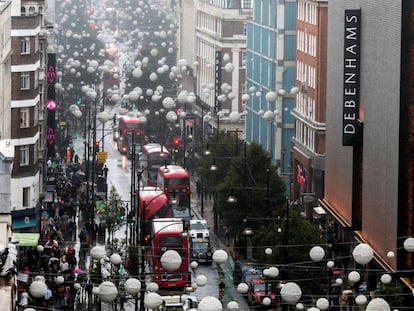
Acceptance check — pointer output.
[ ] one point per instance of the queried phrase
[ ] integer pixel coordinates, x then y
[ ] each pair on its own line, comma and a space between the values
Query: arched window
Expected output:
23, 11
32, 10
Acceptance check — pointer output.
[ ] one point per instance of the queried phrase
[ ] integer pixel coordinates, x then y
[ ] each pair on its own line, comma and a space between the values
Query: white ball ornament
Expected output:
361, 300
322, 304
268, 251
210, 303
233, 305
378, 304
390, 254
220, 256
363, 253
317, 253
171, 260
409, 245
242, 288
386, 278
194, 264
291, 292
266, 301
201, 280
354, 276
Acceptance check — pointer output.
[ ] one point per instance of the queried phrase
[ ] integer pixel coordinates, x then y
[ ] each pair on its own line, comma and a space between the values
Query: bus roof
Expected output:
150, 193
154, 148
129, 119
167, 225
173, 170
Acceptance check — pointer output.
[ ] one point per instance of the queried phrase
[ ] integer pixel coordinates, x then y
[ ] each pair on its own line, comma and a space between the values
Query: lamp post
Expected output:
103, 117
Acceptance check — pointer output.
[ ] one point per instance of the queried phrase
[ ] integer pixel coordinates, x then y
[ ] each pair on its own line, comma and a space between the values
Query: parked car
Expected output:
245, 271
199, 229
258, 290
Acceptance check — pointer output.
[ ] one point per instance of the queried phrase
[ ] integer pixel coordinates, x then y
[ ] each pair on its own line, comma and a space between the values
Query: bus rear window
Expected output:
177, 181
171, 242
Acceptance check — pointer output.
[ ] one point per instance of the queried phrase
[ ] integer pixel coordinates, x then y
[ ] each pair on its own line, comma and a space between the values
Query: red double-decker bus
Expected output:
110, 79
174, 180
131, 132
153, 203
169, 234
151, 158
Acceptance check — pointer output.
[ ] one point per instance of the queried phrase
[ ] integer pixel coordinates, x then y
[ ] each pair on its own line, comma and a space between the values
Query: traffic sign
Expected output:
101, 156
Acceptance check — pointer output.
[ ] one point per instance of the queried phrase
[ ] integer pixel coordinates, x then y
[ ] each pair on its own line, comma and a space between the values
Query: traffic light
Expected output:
130, 219
120, 271
78, 101
96, 146
176, 143
146, 240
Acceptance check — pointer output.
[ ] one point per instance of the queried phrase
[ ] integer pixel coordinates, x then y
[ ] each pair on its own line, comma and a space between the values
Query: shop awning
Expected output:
27, 239
25, 218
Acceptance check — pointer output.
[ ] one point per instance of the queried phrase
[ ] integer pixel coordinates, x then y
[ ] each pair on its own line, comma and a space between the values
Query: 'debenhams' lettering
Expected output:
350, 104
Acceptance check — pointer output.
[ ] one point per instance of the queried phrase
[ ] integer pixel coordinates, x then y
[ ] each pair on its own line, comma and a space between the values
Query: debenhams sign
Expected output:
352, 51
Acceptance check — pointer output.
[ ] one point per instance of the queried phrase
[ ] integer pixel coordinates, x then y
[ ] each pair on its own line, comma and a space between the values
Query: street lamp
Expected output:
103, 117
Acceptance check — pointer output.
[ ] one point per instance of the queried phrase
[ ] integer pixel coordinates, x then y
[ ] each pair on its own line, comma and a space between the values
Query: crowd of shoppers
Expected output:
58, 260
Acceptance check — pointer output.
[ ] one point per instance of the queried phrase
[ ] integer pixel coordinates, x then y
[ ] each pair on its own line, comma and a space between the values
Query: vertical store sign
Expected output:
51, 105
351, 129
217, 81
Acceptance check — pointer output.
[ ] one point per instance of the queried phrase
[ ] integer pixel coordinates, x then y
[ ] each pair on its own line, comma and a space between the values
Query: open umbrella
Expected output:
77, 270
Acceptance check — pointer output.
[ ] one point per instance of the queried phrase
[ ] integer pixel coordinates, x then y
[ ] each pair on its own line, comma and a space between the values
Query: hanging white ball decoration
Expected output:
363, 253
266, 301
171, 116
210, 303
229, 67
361, 300
137, 73
322, 304
220, 256
317, 253
271, 96
168, 103
291, 292
242, 288
268, 251
378, 304
153, 77
386, 278
201, 280
153, 300
409, 245
354, 276
226, 57
234, 116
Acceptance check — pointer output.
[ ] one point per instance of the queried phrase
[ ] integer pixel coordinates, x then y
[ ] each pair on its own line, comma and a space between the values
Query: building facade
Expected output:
27, 109
369, 176
220, 51
308, 143
271, 68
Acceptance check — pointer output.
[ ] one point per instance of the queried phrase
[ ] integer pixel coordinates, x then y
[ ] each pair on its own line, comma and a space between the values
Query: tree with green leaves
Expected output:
111, 216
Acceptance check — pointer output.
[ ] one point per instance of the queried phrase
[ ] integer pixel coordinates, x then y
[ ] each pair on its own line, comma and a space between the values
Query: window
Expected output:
32, 10
24, 155
36, 43
23, 11
26, 196
25, 45
36, 79
25, 80
24, 117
